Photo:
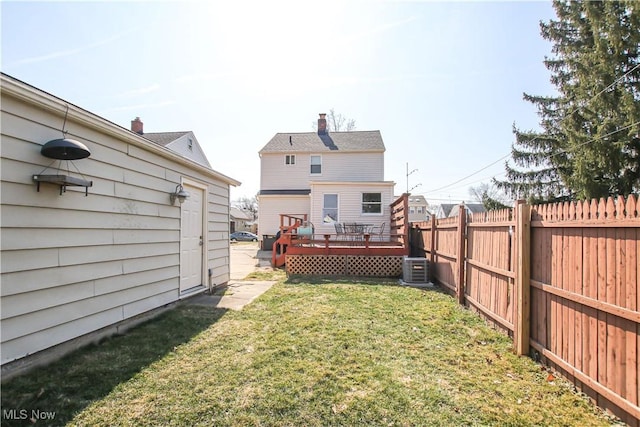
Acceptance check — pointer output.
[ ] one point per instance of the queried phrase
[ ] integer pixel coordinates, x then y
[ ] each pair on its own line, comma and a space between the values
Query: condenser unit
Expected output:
415, 270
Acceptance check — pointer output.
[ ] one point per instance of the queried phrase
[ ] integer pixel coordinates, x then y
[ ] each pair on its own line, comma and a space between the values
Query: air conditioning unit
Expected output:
415, 270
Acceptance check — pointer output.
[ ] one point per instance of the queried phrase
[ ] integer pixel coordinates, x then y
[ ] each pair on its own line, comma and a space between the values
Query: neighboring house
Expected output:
471, 208
452, 210
239, 220
418, 208
330, 177
443, 210
183, 143
79, 263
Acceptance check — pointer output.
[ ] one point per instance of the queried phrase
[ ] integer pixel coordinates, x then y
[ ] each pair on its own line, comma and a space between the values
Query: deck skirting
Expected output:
344, 265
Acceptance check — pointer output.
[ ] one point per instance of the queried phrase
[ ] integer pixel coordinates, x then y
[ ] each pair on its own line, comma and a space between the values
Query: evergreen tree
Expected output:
589, 145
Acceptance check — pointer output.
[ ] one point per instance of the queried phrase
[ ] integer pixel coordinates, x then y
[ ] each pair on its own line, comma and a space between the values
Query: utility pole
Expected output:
409, 173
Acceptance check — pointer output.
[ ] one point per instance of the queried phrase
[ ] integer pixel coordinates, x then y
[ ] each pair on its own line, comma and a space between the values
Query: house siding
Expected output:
350, 204
71, 264
272, 206
343, 166
181, 146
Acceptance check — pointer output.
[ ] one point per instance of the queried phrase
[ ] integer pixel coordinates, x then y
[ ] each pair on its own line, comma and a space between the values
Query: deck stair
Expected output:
289, 225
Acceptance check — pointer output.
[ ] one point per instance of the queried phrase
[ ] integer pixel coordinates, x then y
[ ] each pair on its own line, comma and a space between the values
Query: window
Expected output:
290, 159
330, 208
316, 164
371, 203
412, 209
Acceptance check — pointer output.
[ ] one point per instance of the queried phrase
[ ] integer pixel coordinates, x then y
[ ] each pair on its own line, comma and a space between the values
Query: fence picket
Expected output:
584, 299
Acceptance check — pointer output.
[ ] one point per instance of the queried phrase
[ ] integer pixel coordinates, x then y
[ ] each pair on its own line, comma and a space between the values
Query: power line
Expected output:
616, 81
594, 139
469, 176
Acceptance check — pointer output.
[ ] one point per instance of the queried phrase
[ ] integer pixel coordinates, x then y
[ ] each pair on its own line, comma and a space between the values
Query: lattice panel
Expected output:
375, 266
320, 265
344, 265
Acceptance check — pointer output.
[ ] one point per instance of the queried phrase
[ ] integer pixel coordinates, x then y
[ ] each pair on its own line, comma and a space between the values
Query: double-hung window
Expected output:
330, 208
371, 203
316, 164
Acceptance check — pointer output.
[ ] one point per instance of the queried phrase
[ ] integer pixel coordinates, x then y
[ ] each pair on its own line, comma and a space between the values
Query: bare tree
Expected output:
336, 122
490, 197
248, 205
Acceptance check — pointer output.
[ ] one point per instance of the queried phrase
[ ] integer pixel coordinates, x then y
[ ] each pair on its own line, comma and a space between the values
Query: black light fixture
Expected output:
179, 194
64, 149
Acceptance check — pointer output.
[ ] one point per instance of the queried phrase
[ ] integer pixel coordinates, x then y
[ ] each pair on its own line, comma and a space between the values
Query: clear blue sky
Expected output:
442, 81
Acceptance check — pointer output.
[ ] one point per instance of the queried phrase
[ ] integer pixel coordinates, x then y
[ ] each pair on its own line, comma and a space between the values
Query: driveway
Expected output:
245, 259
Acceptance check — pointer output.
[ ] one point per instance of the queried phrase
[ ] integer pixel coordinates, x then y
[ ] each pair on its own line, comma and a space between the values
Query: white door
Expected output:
191, 239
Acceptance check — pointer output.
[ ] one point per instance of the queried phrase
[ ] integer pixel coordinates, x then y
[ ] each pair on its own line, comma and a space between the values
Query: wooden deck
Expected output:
296, 238
330, 244
333, 257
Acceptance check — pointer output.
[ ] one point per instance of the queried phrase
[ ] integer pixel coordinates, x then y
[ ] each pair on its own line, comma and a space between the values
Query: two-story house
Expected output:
330, 177
418, 208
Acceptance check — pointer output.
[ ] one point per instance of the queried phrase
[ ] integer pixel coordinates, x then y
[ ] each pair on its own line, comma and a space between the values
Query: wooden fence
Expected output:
561, 280
399, 220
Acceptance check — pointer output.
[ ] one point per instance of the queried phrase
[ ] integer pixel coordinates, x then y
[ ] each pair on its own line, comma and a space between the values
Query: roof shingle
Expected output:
164, 138
334, 141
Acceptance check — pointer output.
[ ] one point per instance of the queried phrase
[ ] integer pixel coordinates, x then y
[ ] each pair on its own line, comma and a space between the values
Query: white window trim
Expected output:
372, 213
310, 164
337, 206
291, 158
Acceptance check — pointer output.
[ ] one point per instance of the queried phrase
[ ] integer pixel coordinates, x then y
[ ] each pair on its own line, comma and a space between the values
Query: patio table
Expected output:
356, 231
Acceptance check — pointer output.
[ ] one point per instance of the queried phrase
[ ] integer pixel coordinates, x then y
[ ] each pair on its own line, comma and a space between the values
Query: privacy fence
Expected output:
561, 280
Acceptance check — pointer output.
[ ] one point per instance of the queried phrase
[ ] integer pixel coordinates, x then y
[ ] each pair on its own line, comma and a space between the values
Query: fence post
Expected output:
405, 223
460, 255
523, 278
432, 253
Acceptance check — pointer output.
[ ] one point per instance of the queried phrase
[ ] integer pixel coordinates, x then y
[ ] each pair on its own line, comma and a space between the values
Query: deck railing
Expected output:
292, 240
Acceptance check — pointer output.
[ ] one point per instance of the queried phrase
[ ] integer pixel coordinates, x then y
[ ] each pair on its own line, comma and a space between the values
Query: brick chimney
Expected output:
137, 125
322, 124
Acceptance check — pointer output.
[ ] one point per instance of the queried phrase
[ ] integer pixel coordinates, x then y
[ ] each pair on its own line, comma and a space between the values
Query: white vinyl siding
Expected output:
272, 206
72, 264
350, 203
187, 146
360, 166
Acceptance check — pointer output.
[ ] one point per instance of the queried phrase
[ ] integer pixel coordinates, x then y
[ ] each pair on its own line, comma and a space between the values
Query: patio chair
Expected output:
340, 233
378, 231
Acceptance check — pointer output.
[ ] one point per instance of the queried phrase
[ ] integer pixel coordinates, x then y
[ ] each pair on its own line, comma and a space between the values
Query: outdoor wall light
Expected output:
68, 150
179, 194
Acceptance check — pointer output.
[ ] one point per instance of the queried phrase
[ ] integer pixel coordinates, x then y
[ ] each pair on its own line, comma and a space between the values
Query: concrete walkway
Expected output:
245, 259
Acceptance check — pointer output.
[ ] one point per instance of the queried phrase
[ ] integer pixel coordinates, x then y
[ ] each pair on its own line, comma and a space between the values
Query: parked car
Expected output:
243, 236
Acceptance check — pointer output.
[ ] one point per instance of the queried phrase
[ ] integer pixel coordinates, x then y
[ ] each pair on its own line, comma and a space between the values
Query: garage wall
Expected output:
72, 264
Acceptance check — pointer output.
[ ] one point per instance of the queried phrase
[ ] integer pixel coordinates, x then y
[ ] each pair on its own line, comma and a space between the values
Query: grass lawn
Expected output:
312, 354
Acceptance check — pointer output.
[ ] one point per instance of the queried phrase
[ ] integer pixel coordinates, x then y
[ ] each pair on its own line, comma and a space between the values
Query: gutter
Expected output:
51, 103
